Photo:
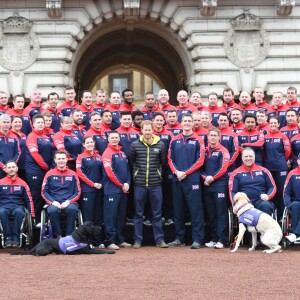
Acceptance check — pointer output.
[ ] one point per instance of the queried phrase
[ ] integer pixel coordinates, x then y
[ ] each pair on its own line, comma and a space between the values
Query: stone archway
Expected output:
148, 46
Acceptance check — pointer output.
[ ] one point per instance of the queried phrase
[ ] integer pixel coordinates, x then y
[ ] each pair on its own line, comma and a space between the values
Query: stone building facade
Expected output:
204, 45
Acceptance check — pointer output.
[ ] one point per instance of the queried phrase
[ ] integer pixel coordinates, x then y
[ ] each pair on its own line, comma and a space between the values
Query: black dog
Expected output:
76, 243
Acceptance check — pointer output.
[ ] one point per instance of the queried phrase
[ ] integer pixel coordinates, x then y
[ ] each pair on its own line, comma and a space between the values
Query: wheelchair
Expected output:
26, 232
286, 227
46, 227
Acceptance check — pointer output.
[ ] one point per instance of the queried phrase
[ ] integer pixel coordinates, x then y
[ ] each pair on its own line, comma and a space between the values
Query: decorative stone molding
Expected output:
131, 8
54, 8
285, 7
19, 45
209, 7
246, 43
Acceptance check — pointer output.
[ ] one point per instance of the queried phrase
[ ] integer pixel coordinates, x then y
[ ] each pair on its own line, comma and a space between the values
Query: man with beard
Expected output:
128, 98
78, 128
236, 118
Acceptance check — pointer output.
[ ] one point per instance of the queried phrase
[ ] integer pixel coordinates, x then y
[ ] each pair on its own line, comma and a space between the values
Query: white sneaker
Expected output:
291, 237
219, 245
38, 225
297, 241
113, 247
211, 244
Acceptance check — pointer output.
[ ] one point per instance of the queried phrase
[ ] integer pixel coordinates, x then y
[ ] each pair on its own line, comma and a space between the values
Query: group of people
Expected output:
161, 164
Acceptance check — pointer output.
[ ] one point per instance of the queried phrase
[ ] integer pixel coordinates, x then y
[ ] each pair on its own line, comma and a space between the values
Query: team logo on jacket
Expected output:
195, 187
192, 142
276, 140
221, 195
69, 178
283, 173
258, 173
17, 188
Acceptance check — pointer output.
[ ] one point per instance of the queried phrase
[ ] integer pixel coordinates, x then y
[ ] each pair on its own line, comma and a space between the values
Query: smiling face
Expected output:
250, 123
158, 122
187, 124
147, 131
163, 97
113, 139
115, 98
274, 124
16, 124
11, 169
248, 158
89, 144
61, 160
182, 98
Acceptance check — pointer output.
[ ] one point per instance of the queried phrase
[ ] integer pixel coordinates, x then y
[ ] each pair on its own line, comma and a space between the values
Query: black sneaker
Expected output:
176, 243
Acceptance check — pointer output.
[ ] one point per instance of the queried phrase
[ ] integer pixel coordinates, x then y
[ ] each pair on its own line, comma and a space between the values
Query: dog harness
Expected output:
250, 217
69, 244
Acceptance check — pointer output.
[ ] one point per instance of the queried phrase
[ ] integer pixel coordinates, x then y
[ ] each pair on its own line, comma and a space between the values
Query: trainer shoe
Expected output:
291, 237
219, 245
136, 245
195, 245
129, 222
125, 245
211, 244
162, 244
113, 247
147, 223
297, 241
8, 242
100, 246
169, 222
176, 243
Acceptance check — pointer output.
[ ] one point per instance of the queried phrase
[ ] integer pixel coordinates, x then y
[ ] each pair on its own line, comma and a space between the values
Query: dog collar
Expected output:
241, 207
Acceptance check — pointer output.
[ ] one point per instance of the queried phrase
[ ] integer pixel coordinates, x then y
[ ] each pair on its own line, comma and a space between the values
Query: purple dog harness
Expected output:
250, 217
68, 244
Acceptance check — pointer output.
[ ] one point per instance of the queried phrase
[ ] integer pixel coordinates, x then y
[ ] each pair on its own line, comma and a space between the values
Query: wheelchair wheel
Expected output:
43, 223
230, 225
286, 222
29, 236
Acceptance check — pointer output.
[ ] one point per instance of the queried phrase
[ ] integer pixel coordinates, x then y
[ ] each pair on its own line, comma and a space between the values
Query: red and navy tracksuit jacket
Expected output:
186, 154
215, 111
40, 152
32, 110
291, 190
127, 137
67, 108
277, 150
230, 106
279, 112
175, 129
237, 128
165, 136
99, 137
116, 170
264, 128
89, 170
99, 107
26, 122
56, 116
86, 115
21, 137
264, 105
61, 186
187, 109
295, 146
249, 109
68, 141
202, 132
115, 114
15, 193
167, 107
229, 140
294, 105
127, 107
290, 130
49, 132
253, 139
254, 182
79, 130
149, 115
9, 149
216, 164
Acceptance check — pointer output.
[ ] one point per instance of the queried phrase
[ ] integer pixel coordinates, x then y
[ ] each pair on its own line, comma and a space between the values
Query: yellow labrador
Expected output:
256, 221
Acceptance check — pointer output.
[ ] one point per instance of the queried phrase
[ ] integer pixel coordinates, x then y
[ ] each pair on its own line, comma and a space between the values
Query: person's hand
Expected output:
65, 204
57, 204
264, 197
98, 186
125, 187
209, 179
180, 175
